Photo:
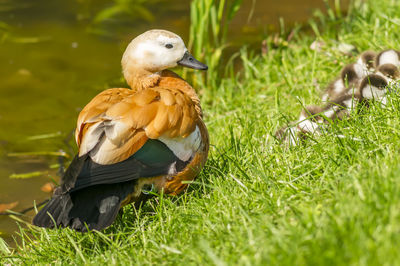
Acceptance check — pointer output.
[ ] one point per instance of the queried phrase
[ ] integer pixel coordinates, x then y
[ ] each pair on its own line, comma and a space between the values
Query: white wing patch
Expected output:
91, 138
102, 139
183, 148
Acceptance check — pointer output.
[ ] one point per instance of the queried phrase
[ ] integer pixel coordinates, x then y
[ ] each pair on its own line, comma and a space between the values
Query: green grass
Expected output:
329, 201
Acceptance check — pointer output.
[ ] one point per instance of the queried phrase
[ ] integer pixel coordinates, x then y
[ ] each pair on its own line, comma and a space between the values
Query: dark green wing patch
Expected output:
155, 152
153, 159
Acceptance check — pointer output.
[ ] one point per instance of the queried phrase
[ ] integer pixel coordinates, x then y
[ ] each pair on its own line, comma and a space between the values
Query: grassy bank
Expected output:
330, 201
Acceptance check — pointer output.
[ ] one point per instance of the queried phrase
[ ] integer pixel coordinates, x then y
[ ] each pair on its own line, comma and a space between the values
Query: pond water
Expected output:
56, 55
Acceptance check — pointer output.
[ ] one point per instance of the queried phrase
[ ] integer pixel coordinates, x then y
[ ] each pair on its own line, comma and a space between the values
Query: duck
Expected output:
133, 141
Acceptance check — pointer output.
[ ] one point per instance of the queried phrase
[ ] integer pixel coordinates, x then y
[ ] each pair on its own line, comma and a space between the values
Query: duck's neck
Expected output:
140, 79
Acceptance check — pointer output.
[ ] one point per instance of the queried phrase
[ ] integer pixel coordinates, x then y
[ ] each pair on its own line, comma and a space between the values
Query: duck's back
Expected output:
128, 139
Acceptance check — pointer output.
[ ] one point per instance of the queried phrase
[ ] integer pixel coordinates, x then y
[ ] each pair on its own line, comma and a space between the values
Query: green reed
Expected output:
208, 35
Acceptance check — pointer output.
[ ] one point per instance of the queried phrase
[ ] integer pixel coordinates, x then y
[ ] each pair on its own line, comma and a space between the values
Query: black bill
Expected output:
189, 61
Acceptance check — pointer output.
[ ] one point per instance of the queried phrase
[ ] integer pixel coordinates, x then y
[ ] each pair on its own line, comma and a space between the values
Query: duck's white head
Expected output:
156, 50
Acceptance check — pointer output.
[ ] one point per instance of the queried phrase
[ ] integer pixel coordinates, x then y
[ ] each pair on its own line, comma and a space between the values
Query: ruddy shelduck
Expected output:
151, 135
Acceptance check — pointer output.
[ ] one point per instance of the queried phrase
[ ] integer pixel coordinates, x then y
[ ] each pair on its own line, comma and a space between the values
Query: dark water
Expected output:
55, 58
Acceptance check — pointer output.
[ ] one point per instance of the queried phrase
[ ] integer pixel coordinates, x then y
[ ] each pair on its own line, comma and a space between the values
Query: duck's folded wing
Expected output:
96, 107
112, 128
131, 135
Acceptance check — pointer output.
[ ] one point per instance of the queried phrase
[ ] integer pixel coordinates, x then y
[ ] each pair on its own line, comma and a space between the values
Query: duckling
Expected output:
351, 74
309, 120
149, 136
374, 87
335, 87
308, 123
389, 71
342, 106
367, 60
388, 57
313, 119
350, 77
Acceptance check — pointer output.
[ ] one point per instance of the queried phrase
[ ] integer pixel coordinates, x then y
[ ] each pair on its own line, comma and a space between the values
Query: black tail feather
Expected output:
93, 208
71, 174
91, 194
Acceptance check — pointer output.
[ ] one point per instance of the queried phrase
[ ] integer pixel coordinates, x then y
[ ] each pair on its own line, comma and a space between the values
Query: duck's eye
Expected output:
168, 46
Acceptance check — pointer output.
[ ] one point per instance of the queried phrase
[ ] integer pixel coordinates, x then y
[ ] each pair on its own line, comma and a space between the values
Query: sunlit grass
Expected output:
333, 200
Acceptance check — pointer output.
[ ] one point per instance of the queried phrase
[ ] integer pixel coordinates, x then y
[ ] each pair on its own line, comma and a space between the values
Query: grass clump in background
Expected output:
332, 200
